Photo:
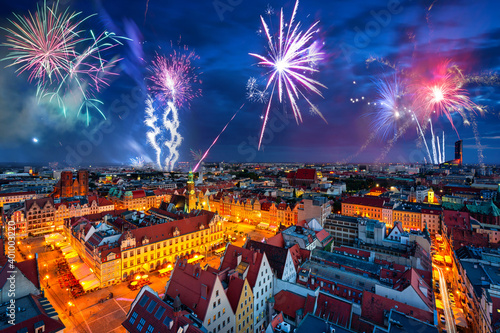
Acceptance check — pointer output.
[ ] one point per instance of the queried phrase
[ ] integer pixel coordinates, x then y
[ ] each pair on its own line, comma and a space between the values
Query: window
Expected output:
223, 310
218, 302
141, 324
215, 305
218, 315
239, 316
144, 300
151, 306
228, 320
209, 321
217, 293
133, 317
159, 312
150, 329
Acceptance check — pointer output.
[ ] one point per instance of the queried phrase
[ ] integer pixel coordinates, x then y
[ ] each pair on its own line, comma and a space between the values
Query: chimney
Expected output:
238, 259
254, 259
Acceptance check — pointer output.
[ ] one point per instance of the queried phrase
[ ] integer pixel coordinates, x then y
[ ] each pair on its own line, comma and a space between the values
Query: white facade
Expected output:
289, 272
220, 316
407, 296
262, 290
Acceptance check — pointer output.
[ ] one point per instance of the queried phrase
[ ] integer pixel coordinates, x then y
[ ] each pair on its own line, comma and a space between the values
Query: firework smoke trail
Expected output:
151, 122
217, 138
433, 142
422, 136
172, 81
479, 147
402, 130
290, 60
444, 157
171, 123
48, 45
440, 160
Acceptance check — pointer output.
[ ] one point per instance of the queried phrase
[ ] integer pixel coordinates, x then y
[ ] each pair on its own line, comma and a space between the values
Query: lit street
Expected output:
448, 314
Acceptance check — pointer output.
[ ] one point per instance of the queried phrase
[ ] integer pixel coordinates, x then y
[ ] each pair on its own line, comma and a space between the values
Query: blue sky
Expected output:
222, 33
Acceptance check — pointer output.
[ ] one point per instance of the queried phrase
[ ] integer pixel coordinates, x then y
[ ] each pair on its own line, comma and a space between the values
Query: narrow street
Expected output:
448, 314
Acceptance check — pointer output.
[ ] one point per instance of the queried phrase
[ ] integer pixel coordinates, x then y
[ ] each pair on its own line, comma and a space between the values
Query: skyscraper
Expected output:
458, 152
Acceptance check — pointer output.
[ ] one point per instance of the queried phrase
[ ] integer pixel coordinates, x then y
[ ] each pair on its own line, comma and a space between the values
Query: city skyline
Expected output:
405, 34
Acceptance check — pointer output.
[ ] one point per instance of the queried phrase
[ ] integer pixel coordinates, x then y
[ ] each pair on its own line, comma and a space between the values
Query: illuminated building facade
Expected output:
147, 248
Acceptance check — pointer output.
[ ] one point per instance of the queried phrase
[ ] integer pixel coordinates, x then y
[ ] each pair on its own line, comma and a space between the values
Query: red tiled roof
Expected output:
333, 309
309, 305
159, 232
233, 292
288, 303
373, 307
193, 285
276, 240
275, 255
322, 235
30, 269
40, 202
350, 250
138, 194
416, 281
358, 325
14, 194
305, 174
277, 320
104, 202
252, 258
366, 201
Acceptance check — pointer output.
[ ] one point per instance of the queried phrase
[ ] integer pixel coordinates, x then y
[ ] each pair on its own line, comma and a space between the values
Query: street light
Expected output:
70, 305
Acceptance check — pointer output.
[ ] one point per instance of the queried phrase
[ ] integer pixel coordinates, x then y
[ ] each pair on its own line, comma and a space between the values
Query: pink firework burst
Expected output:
44, 42
444, 95
173, 77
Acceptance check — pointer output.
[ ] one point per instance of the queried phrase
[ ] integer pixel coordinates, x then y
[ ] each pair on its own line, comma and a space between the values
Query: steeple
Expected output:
191, 197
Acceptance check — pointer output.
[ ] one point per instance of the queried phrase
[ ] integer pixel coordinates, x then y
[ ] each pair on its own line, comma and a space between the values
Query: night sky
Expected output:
465, 32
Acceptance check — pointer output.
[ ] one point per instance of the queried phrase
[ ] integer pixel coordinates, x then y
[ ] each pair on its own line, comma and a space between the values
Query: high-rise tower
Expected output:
458, 152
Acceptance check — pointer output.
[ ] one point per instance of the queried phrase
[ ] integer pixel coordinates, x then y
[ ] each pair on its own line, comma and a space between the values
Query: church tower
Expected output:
191, 196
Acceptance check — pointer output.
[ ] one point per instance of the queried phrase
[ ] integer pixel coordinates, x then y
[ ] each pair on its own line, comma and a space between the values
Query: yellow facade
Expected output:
409, 219
150, 256
251, 210
360, 210
244, 312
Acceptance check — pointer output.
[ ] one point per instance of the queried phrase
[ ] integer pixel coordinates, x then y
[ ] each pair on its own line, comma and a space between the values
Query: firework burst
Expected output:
172, 87
173, 77
445, 95
63, 59
254, 94
290, 60
137, 162
390, 106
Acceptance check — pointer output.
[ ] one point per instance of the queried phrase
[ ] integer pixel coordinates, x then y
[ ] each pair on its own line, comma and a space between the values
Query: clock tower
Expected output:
191, 196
